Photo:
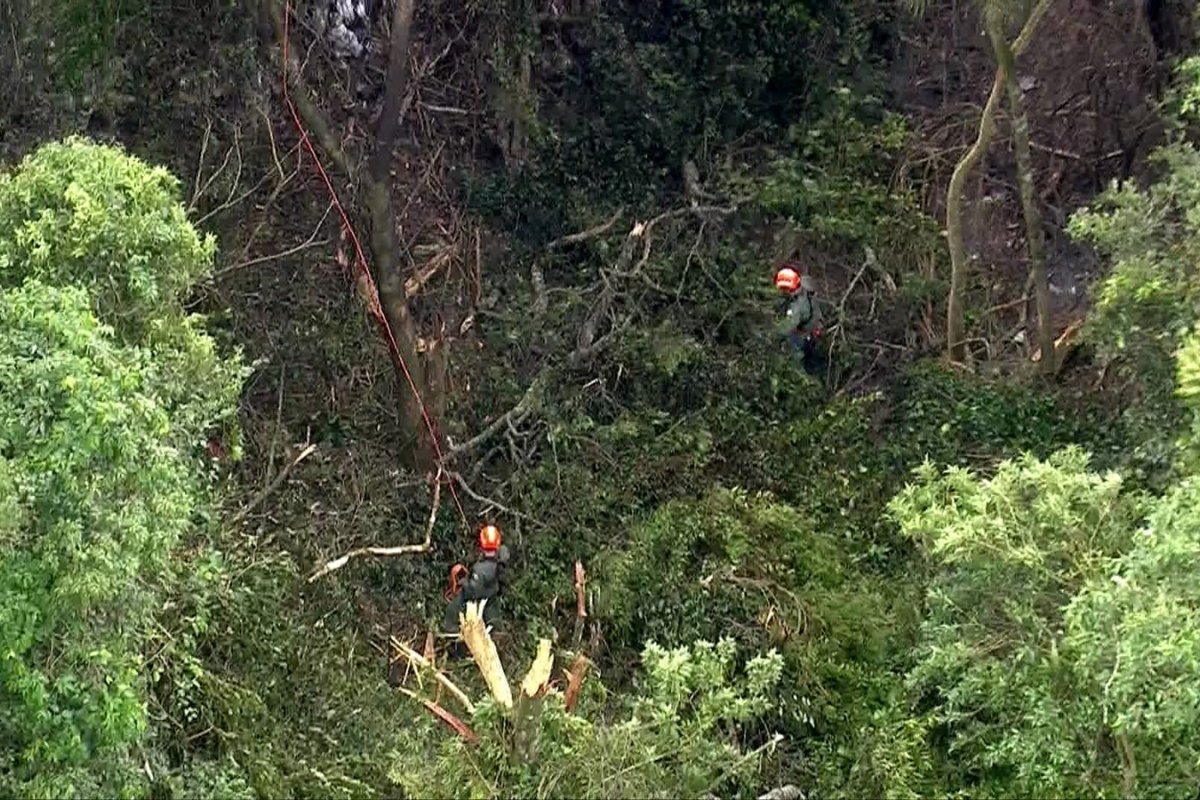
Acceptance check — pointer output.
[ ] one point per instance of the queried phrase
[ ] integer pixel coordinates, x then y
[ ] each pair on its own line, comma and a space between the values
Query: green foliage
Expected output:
77, 213
660, 82
1134, 636
951, 418
84, 34
837, 184
681, 734
1147, 304
106, 387
99, 500
298, 709
685, 571
1187, 390
994, 668
1059, 649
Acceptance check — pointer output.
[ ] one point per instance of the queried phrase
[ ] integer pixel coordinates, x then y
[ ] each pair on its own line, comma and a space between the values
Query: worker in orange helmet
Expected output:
484, 581
801, 322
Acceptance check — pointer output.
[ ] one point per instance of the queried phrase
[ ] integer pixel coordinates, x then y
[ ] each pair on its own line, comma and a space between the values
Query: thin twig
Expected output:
278, 425
200, 162
590, 233
200, 191
419, 660
383, 552
305, 245
487, 501
867, 262
274, 485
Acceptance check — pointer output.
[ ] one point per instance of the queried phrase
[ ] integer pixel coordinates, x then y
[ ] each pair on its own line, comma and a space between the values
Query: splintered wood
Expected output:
420, 661
535, 686
575, 681
539, 672
483, 652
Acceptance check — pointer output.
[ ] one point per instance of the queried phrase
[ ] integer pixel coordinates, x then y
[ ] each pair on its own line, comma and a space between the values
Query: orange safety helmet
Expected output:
489, 538
787, 279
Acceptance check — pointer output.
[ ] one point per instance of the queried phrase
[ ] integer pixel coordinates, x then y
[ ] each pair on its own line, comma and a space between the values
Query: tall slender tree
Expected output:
997, 17
955, 325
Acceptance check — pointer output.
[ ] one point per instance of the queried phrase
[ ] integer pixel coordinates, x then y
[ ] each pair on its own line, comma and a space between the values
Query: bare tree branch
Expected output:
308, 243
381, 552
527, 402
590, 233
395, 89
275, 484
487, 501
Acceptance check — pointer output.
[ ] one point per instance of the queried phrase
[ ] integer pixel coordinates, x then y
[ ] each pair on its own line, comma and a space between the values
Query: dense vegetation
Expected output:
896, 576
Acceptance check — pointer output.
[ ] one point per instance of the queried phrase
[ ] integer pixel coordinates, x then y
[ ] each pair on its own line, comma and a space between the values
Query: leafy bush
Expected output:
1133, 635
680, 735
837, 181
954, 419
97, 499
1147, 304
81, 214
994, 672
685, 572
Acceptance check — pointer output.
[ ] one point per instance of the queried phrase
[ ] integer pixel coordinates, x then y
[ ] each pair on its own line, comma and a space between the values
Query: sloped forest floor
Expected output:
1092, 77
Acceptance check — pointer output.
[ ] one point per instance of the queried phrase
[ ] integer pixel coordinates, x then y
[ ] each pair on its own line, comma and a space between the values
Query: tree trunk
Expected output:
514, 89
377, 197
956, 335
1029, 198
395, 86
385, 245
955, 326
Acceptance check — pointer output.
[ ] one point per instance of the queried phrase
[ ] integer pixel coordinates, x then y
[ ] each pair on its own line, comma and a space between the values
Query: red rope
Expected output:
360, 263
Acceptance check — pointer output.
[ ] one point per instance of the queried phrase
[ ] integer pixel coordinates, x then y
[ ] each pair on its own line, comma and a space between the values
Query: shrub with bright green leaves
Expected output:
682, 734
82, 214
1187, 390
96, 499
1133, 635
1147, 304
995, 663
693, 568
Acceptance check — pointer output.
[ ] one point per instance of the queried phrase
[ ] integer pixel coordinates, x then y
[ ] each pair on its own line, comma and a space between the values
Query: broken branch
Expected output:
483, 652
580, 589
590, 233
418, 281
523, 406
418, 660
487, 501
445, 716
275, 484
405, 549
575, 678
539, 672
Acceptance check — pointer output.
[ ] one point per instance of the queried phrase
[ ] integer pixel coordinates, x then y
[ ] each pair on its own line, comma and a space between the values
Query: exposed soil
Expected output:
1087, 75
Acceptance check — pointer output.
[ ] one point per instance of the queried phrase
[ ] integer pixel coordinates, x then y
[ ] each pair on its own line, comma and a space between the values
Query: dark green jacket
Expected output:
800, 313
485, 582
